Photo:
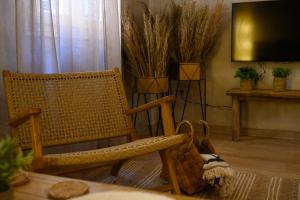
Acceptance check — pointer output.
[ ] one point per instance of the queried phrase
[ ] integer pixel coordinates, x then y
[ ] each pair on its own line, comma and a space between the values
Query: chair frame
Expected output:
33, 115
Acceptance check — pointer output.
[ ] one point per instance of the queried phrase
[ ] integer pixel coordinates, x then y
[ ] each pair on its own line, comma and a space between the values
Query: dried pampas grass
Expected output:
173, 16
184, 32
198, 28
146, 47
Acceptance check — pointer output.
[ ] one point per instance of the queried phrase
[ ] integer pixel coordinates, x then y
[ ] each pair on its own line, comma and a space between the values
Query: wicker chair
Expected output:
57, 109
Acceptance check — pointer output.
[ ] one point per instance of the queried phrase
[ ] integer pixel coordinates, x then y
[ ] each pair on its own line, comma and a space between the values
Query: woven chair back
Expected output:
76, 107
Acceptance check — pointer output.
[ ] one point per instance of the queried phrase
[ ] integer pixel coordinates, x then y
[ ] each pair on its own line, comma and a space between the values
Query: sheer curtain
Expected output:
65, 35
50, 36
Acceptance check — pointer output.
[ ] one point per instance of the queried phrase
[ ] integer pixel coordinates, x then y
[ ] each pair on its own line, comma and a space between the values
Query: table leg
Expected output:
236, 118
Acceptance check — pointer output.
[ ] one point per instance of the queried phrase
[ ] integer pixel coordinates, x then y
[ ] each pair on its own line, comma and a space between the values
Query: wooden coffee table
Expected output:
37, 188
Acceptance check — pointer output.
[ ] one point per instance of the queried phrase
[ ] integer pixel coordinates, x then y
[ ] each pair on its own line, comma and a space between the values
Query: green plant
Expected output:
281, 72
247, 73
12, 160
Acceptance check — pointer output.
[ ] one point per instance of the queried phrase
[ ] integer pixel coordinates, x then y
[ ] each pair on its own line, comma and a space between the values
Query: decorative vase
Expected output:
279, 84
189, 71
152, 85
7, 195
246, 84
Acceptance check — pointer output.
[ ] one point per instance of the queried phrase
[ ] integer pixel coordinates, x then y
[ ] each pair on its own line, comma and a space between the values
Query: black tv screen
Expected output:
265, 31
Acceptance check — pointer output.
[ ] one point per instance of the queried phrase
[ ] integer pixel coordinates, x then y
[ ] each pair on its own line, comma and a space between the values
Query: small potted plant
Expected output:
279, 81
248, 76
12, 160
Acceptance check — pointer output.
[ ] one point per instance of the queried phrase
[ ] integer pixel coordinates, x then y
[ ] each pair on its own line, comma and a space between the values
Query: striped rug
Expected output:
144, 172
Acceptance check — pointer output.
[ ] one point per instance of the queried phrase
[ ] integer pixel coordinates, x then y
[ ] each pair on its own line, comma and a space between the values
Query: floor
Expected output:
261, 155
265, 168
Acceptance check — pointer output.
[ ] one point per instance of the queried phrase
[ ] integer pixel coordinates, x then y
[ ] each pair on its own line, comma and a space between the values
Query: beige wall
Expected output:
260, 115
220, 72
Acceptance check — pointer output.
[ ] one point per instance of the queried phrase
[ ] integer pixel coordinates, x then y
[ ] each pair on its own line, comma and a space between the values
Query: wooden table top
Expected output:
288, 94
37, 188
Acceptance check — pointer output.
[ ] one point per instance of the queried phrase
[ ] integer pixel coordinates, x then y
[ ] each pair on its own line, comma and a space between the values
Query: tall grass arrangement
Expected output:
146, 46
173, 16
198, 28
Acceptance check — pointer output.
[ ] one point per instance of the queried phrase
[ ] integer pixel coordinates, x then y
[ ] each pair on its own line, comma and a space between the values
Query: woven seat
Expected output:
58, 109
119, 152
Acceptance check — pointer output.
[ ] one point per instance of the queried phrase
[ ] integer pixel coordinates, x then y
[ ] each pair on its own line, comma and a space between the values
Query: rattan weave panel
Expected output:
76, 107
120, 152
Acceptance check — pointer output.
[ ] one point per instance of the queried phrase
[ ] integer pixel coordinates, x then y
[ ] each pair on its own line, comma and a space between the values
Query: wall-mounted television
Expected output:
265, 31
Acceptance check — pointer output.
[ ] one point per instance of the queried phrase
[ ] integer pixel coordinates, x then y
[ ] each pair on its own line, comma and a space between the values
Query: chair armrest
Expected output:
150, 105
23, 117
32, 115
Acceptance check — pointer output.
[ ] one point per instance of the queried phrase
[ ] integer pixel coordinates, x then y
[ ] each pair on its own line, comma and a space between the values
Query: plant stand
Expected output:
135, 104
200, 81
157, 88
202, 97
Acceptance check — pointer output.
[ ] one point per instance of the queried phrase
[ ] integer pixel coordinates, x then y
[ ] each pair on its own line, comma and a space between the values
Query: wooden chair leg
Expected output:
116, 168
168, 163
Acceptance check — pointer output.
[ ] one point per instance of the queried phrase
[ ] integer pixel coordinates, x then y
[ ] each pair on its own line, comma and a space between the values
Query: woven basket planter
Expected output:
7, 195
152, 85
189, 71
246, 85
279, 84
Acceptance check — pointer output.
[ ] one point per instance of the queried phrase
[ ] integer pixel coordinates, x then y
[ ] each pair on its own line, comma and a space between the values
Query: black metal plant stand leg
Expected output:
201, 104
185, 100
174, 102
205, 113
202, 101
137, 103
132, 99
159, 122
159, 117
132, 103
148, 117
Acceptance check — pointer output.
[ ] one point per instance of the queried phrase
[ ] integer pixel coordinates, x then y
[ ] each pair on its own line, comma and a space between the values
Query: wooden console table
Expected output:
255, 95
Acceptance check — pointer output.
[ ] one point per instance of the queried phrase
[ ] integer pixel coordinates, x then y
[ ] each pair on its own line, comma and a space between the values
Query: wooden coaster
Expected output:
67, 189
19, 179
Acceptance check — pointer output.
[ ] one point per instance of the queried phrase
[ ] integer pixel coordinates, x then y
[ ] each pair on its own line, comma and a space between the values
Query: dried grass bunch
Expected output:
198, 27
146, 46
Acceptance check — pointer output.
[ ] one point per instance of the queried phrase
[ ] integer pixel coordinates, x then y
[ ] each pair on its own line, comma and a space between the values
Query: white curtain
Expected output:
53, 36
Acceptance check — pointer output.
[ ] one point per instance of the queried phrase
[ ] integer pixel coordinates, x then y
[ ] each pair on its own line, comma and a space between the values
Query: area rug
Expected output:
144, 172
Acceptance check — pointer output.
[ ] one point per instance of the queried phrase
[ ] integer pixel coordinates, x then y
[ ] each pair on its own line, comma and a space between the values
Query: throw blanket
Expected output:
218, 173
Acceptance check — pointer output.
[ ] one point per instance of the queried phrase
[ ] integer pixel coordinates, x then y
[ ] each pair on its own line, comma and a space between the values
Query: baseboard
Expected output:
266, 133
227, 130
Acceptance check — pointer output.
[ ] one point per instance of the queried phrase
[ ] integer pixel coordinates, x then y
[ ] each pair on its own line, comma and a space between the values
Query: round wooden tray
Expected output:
67, 189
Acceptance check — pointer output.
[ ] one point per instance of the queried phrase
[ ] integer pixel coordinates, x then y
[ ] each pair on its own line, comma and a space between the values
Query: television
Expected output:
265, 31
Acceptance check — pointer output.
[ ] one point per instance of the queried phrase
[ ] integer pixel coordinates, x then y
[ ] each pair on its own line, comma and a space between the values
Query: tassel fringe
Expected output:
226, 179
